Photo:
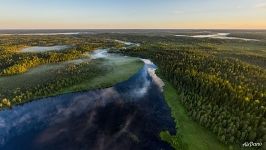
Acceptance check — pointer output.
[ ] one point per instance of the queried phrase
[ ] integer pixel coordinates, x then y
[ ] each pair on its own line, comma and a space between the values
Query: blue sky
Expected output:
133, 14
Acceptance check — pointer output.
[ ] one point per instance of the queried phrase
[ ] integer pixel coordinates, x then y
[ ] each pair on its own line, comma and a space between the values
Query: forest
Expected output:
220, 83
15, 63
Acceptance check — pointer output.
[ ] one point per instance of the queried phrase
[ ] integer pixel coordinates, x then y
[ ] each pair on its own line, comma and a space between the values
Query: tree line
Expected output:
225, 95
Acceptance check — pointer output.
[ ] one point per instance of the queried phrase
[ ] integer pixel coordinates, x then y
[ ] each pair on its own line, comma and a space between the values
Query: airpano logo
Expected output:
251, 144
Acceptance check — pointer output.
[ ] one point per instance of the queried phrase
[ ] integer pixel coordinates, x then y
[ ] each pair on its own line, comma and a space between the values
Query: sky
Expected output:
132, 14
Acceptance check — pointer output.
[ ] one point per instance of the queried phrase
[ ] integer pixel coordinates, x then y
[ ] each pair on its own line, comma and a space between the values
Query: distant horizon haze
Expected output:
137, 14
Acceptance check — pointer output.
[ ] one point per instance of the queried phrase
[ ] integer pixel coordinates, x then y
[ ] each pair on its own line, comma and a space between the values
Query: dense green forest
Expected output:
14, 63
221, 83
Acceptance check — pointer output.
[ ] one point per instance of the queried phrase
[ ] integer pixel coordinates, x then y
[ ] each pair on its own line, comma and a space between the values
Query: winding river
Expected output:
129, 115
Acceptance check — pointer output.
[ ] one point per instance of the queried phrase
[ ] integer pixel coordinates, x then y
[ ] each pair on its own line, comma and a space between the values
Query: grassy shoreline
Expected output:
190, 135
118, 73
101, 73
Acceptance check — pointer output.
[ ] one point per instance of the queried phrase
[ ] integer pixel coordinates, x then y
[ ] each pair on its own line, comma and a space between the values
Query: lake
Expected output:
225, 36
35, 49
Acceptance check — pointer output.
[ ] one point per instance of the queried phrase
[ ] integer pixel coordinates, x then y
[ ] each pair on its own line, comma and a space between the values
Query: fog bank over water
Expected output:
35, 49
225, 36
129, 115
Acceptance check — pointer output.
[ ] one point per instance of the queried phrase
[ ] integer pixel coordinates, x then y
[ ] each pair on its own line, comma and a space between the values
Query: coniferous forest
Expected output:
133, 75
213, 88
222, 87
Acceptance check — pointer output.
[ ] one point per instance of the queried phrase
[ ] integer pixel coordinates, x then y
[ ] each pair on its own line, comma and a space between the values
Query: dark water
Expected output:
128, 116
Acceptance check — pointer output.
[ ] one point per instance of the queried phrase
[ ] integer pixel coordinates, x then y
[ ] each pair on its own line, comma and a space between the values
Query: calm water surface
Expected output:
225, 36
129, 115
35, 49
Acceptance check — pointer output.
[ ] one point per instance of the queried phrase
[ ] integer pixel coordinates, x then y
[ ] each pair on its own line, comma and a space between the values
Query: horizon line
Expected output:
132, 28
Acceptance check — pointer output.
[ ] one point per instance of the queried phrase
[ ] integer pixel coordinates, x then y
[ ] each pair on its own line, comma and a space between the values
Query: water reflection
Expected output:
225, 36
129, 115
35, 49
99, 53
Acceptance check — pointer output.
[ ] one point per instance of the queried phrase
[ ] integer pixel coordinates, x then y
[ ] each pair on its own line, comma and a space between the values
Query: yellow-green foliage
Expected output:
15, 62
224, 95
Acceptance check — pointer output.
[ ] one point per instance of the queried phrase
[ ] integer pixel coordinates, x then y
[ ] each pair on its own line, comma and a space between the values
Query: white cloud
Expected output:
239, 6
178, 12
261, 6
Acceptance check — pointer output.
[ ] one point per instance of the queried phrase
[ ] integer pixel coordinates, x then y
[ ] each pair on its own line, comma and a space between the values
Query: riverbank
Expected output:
190, 135
118, 70
128, 115
56, 79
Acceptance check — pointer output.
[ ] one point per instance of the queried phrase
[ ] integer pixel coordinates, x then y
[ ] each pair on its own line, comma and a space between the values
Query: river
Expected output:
129, 115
